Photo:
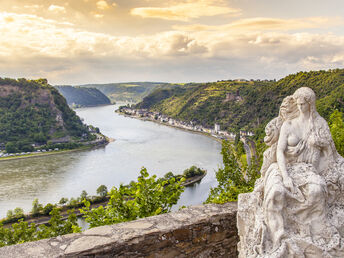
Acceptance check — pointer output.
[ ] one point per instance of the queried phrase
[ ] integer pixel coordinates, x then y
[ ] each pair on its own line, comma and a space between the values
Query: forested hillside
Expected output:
84, 97
32, 111
245, 104
129, 91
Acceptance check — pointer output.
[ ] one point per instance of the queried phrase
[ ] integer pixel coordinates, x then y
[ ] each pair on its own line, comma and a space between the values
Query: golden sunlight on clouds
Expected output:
34, 6
31, 35
98, 16
57, 9
102, 5
64, 40
261, 24
186, 10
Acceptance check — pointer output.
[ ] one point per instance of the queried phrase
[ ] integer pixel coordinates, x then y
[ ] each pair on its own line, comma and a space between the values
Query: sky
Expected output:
103, 41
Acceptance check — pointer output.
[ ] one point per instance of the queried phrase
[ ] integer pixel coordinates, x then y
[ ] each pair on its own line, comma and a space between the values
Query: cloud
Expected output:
33, 46
56, 9
34, 6
263, 23
102, 5
98, 16
186, 10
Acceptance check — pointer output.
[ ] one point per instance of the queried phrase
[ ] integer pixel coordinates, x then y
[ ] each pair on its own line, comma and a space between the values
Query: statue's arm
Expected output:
281, 160
281, 147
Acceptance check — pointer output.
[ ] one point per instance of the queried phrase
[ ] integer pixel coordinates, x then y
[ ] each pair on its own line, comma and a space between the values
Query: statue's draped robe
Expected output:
313, 214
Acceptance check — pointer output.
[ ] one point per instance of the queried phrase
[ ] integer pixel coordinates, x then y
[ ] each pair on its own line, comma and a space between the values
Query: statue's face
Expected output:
302, 105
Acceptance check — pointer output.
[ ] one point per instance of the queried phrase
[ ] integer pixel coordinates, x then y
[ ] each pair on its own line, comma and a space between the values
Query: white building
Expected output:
217, 128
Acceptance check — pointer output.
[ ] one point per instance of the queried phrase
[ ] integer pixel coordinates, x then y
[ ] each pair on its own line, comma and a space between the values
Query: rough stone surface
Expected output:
297, 206
198, 231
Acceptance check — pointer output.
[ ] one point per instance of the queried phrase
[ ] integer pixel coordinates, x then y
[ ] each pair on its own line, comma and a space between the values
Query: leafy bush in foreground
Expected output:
146, 197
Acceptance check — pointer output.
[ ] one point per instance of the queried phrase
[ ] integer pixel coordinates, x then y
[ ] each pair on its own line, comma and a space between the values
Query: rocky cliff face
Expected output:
33, 111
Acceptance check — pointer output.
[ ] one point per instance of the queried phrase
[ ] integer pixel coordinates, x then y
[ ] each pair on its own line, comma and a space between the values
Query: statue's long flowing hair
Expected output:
289, 110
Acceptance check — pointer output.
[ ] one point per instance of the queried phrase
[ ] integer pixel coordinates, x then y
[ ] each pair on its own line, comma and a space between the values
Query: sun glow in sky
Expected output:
101, 41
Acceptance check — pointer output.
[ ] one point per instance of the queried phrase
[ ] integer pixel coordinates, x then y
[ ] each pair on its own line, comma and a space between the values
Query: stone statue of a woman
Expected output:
297, 206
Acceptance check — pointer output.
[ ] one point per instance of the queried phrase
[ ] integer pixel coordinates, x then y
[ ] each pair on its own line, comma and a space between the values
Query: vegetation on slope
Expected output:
83, 97
244, 105
32, 111
130, 91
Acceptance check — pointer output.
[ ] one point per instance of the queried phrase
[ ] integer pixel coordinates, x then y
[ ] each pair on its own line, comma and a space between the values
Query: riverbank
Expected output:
214, 137
58, 152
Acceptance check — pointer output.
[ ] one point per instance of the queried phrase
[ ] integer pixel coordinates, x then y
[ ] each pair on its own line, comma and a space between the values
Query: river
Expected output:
137, 144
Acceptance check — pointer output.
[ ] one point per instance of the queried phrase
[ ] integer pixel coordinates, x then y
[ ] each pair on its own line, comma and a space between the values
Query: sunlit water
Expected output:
138, 143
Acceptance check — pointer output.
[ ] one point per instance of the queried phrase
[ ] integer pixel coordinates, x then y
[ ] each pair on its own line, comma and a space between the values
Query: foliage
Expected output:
9, 214
29, 109
63, 201
24, 146
337, 130
83, 195
247, 105
146, 197
11, 147
234, 178
193, 171
74, 203
169, 175
48, 208
129, 91
83, 96
13, 216
102, 190
61, 146
23, 232
18, 212
36, 207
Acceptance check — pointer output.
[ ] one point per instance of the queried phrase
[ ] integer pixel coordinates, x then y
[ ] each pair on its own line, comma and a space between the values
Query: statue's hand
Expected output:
288, 183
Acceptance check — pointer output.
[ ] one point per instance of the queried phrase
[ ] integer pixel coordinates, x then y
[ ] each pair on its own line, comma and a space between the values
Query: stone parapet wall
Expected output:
198, 231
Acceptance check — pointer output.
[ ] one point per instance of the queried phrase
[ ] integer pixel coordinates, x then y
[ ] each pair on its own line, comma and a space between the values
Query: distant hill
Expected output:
32, 111
244, 104
129, 91
84, 97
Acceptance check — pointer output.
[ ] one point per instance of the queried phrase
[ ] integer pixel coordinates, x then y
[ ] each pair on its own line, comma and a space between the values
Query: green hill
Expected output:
128, 91
32, 111
84, 97
244, 104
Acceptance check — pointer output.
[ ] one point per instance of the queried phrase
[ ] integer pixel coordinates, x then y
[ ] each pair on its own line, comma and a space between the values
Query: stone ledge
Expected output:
199, 231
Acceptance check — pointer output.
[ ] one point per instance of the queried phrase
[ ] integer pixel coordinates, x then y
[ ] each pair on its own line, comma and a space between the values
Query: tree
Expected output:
63, 201
9, 214
36, 207
11, 147
73, 202
48, 208
146, 197
102, 190
18, 212
337, 130
83, 195
193, 171
233, 178
168, 175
